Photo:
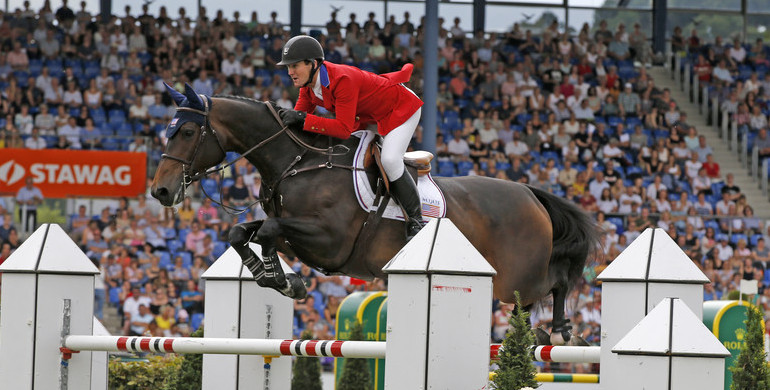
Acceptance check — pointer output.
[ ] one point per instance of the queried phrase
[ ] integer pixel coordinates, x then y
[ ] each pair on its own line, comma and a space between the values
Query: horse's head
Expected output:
192, 147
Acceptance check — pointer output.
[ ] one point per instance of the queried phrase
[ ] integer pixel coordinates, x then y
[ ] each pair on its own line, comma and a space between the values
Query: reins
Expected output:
189, 176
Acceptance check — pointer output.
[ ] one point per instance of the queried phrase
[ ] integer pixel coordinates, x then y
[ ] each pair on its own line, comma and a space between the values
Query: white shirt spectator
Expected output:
35, 142
723, 208
627, 201
72, 133
458, 146
596, 188
230, 68
516, 148
692, 168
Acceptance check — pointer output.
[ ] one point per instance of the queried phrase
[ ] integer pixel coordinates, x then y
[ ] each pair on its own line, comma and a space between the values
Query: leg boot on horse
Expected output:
404, 191
267, 273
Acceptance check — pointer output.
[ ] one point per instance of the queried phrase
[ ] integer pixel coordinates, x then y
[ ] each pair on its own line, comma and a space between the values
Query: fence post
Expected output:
236, 307
48, 291
653, 267
439, 306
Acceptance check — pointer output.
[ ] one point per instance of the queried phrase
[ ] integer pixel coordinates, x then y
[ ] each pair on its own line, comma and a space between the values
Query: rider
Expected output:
357, 97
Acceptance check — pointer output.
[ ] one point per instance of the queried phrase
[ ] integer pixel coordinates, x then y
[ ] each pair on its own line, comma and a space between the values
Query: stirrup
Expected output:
413, 226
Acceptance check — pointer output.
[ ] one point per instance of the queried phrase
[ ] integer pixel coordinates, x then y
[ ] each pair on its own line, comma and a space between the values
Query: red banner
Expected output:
66, 173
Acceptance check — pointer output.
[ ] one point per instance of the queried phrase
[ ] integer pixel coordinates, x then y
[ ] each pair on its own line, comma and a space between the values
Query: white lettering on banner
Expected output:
123, 175
83, 174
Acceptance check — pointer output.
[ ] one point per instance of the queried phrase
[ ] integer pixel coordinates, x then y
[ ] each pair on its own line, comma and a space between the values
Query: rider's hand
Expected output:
293, 119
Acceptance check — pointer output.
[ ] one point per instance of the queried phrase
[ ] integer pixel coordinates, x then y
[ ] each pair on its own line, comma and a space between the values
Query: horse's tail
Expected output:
575, 237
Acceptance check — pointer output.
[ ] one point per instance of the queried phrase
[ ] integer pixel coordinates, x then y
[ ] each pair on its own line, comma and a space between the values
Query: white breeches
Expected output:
394, 146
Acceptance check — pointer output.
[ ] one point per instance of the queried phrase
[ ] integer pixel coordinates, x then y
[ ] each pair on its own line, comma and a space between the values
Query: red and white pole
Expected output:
194, 345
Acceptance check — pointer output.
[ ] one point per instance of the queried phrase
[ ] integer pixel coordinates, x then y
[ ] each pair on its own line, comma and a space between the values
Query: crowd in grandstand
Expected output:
574, 113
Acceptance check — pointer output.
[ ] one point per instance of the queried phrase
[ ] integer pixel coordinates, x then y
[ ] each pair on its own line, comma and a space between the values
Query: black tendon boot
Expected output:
404, 191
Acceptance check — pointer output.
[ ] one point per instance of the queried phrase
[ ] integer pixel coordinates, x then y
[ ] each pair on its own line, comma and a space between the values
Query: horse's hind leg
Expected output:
560, 334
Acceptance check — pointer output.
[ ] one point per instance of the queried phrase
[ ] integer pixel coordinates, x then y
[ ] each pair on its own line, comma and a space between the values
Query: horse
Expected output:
537, 242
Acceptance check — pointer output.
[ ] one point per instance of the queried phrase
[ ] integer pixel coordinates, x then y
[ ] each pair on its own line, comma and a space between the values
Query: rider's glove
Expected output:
293, 119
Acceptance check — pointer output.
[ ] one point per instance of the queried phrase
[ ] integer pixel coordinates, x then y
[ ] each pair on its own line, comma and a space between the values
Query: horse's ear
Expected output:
193, 98
175, 95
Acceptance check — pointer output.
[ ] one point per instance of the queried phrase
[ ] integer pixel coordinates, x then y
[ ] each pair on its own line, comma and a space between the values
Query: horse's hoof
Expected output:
295, 287
541, 337
560, 338
577, 341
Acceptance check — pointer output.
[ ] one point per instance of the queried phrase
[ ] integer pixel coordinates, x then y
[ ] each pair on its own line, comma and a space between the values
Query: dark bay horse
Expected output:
537, 242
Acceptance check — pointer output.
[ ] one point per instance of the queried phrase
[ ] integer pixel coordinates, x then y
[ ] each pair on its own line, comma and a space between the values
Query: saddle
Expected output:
417, 162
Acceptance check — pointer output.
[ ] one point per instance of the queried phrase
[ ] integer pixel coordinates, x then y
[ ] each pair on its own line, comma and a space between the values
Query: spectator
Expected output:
71, 132
207, 214
195, 237
29, 198
192, 299
629, 102
35, 141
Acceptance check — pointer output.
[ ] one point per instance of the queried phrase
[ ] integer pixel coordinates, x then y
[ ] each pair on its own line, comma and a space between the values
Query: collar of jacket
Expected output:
324, 75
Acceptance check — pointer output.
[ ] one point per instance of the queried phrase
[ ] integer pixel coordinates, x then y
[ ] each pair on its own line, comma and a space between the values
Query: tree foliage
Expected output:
516, 369
306, 373
355, 372
750, 369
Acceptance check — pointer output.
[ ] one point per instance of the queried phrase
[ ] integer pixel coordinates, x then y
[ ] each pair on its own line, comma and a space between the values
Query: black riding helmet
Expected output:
302, 48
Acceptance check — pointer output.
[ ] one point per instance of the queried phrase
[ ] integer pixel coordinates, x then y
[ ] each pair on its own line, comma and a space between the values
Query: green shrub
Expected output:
306, 374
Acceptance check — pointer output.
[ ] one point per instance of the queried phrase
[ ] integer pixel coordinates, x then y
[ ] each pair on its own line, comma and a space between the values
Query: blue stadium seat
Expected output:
735, 237
210, 186
186, 258
463, 167
219, 248
195, 321
446, 168
174, 245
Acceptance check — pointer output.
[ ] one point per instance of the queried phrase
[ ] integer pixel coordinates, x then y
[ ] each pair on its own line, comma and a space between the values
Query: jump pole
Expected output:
196, 345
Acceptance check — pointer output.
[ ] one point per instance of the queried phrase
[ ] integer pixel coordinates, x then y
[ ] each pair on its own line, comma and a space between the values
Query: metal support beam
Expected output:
479, 14
105, 10
659, 15
295, 17
430, 73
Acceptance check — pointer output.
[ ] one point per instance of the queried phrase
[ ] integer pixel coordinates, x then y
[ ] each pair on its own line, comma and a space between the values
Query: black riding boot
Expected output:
404, 191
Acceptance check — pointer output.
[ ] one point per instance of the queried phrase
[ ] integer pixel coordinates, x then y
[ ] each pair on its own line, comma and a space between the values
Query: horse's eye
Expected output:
189, 133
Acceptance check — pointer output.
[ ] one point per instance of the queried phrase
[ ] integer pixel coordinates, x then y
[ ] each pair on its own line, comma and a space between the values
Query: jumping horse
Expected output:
537, 242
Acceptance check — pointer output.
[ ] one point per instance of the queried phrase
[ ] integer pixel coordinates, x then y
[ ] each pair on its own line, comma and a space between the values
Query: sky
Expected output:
317, 12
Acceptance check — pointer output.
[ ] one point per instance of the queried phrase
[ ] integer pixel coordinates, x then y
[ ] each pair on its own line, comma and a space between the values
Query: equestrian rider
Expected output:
357, 98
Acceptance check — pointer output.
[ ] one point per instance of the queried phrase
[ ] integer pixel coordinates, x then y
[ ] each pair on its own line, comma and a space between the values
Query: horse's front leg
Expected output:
239, 237
267, 271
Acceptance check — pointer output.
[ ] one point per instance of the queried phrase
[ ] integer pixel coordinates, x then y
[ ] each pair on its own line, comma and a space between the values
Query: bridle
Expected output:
189, 176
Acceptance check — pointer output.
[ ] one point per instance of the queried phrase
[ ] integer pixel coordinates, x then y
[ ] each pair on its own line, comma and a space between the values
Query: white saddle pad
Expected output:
431, 197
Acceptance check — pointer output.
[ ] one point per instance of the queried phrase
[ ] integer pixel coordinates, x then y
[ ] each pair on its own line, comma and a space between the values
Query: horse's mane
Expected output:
251, 100
278, 108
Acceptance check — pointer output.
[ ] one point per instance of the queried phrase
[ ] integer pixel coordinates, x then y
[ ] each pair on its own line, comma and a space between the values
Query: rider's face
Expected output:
299, 72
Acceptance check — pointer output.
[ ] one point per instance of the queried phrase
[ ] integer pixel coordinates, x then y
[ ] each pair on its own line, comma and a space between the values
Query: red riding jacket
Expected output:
358, 98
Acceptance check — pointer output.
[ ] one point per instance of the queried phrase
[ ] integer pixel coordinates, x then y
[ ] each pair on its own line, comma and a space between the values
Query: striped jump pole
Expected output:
197, 345
557, 353
560, 377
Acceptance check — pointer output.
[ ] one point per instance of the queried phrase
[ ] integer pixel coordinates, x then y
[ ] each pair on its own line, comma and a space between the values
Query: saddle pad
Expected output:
431, 197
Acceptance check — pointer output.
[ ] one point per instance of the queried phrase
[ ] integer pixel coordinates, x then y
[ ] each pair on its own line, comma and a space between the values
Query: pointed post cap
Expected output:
653, 257
49, 250
229, 266
671, 329
439, 247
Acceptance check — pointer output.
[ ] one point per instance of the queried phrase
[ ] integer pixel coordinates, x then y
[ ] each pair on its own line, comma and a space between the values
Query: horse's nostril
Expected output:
161, 192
